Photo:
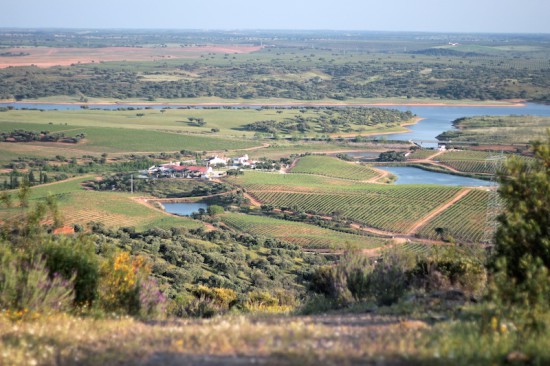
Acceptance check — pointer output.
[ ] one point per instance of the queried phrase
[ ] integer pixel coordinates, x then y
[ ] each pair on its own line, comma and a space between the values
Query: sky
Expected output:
487, 16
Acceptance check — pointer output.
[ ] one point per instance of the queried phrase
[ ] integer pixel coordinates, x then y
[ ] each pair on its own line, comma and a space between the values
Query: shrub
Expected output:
263, 301
451, 268
152, 302
388, 281
28, 286
358, 278
210, 301
75, 257
521, 261
125, 287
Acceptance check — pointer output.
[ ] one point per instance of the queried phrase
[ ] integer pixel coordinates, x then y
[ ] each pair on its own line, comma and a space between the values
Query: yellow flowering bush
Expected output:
120, 282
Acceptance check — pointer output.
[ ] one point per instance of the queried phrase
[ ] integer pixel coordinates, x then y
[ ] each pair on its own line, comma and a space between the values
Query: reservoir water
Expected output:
184, 208
436, 119
411, 175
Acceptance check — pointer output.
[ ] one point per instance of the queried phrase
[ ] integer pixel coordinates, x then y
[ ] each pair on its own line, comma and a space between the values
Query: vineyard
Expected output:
416, 248
475, 161
469, 161
385, 207
333, 167
464, 221
304, 235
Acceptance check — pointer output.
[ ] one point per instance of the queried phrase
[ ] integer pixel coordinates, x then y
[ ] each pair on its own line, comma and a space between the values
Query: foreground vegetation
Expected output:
338, 338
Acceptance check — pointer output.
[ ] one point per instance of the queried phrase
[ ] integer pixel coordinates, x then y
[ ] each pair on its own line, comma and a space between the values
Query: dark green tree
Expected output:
524, 232
24, 193
521, 260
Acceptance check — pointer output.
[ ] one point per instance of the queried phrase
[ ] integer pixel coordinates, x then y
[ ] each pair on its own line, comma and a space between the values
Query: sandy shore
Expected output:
410, 123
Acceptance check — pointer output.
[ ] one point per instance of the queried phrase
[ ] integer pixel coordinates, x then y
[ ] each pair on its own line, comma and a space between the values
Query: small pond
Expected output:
184, 208
411, 175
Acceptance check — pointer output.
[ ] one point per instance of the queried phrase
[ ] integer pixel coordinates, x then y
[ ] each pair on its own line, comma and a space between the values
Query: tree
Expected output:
214, 210
521, 260
5, 198
525, 226
24, 193
32, 179
392, 156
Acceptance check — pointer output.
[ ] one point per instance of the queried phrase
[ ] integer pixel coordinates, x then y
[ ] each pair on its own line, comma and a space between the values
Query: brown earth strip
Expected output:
438, 210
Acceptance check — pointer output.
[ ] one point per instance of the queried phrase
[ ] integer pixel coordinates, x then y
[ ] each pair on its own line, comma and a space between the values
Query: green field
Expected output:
333, 167
503, 130
230, 122
305, 235
126, 140
114, 209
280, 149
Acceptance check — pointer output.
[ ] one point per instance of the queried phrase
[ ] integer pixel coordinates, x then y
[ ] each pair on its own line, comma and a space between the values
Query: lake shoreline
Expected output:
412, 122
513, 103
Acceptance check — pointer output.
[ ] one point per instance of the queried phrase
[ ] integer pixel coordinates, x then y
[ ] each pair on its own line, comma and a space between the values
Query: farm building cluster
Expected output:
182, 170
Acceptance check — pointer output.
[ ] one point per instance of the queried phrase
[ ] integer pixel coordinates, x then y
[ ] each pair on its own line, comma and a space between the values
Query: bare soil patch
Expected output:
57, 56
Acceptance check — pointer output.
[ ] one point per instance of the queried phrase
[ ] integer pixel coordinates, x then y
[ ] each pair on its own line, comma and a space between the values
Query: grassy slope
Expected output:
230, 122
114, 209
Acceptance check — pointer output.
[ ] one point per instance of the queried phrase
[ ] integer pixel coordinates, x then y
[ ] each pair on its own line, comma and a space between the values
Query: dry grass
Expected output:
67, 340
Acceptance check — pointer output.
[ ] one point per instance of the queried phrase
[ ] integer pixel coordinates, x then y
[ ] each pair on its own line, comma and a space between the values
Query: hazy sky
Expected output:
527, 16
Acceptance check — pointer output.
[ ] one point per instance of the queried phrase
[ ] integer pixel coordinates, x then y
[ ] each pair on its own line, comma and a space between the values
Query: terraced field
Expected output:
463, 221
304, 235
333, 167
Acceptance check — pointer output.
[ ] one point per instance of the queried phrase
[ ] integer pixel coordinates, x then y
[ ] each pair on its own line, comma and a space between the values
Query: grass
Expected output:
295, 340
229, 121
114, 209
71, 341
304, 235
126, 140
280, 149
